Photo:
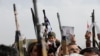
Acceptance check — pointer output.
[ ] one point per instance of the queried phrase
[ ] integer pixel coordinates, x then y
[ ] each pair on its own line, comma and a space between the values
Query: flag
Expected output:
49, 25
46, 22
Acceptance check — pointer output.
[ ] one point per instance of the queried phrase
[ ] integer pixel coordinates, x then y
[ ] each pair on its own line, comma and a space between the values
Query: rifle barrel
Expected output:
15, 13
93, 29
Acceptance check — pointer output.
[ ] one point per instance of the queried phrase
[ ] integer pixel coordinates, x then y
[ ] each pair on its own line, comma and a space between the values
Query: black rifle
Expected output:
34, 21
40, 46
93, 29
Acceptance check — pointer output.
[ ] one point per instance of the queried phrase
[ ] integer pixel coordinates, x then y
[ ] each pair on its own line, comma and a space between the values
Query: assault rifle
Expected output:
64, 41
18, 44
41, 46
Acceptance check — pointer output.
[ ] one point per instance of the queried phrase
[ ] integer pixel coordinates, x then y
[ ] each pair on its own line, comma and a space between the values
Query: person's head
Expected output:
90, 51
51, 36
8, 51
51, 52
73, 48
32, 49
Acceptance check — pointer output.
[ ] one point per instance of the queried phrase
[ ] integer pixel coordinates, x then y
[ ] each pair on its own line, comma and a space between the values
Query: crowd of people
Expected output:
53, 47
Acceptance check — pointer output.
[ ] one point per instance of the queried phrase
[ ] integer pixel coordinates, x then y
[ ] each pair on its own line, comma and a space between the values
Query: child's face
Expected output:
52, 39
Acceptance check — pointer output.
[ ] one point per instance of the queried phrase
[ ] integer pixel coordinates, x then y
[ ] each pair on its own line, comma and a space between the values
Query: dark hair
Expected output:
30, 47
51, 50
8, 51
51, 34
89, 50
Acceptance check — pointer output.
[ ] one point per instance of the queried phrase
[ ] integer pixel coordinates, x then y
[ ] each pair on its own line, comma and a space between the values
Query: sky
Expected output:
74, 13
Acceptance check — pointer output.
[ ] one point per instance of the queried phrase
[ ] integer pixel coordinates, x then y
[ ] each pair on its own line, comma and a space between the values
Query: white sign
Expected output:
68, 31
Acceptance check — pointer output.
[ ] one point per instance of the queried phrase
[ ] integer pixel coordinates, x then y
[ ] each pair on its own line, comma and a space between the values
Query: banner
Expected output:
68, 31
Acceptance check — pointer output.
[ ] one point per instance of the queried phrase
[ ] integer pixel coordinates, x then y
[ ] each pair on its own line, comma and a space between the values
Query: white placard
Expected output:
68, 31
